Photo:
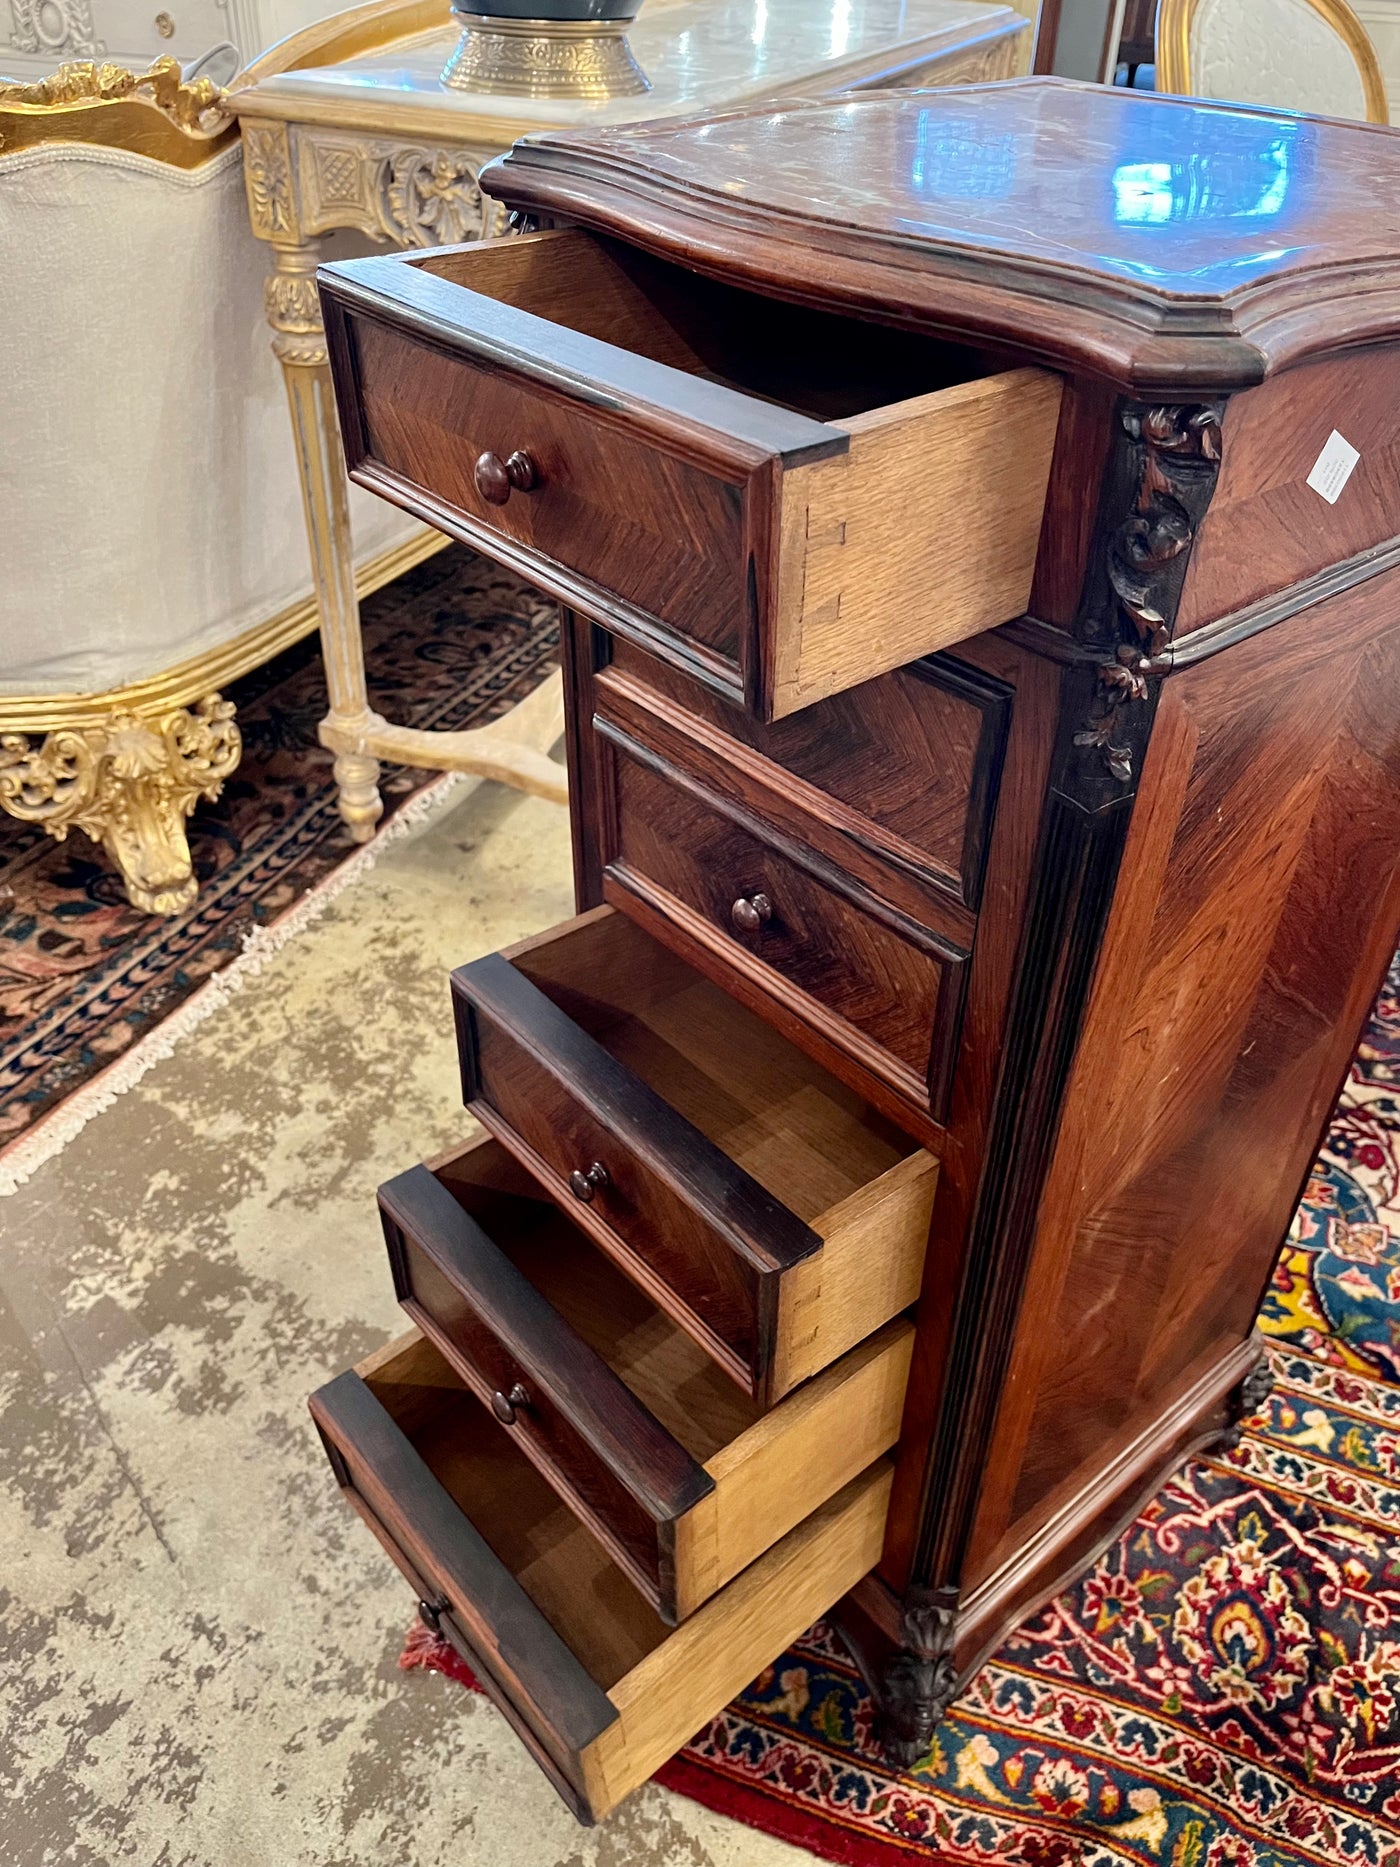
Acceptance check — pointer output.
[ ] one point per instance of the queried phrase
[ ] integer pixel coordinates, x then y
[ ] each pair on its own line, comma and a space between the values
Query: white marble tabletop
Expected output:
695, 53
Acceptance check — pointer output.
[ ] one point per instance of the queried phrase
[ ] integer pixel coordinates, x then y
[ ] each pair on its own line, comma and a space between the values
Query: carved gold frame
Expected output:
152, 113
1173, 46
127, 766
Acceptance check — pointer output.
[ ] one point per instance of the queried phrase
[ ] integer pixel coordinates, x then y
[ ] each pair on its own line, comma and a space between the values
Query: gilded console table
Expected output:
347, 125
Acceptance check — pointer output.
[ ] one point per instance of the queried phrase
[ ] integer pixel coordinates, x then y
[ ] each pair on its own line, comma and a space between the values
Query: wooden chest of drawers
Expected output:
987, 834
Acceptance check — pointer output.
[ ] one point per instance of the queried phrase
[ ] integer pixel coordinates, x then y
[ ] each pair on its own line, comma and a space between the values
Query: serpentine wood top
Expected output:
1163, 242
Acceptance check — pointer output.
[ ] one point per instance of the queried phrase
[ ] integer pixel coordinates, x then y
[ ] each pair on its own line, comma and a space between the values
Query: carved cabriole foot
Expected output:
919, 1683
1246, 1400
129, 783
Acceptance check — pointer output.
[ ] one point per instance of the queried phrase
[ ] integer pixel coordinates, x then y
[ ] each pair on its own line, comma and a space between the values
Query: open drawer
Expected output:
599, 1688
782, 501
681, 1476
765, 1206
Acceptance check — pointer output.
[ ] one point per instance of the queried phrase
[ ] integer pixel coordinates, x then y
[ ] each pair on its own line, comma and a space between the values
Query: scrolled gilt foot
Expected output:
129, 783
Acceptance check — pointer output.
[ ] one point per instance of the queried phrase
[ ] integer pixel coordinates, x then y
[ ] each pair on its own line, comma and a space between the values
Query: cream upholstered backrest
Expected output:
1309, 55
148, 485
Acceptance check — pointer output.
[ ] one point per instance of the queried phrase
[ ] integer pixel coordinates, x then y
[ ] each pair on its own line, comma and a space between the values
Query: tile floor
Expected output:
197, 1639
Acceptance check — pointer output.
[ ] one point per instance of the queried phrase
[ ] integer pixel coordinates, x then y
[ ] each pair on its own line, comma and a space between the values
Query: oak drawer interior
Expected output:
687, 1492
653, 405
602, 1690
817, 1146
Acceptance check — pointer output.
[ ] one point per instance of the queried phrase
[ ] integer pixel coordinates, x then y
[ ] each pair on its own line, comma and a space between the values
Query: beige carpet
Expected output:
198, 1641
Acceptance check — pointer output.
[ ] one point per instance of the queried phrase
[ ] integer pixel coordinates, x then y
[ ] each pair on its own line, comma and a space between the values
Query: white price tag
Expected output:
1332, 468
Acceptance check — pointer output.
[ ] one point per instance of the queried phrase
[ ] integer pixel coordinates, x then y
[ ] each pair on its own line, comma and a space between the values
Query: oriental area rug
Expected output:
1222, 1689
84, 976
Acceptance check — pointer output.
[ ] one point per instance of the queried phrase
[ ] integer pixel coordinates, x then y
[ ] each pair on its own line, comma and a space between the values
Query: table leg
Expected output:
299, 342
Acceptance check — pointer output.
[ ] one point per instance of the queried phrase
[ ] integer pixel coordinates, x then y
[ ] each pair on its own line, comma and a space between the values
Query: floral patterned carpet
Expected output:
83, 974
1223, 1688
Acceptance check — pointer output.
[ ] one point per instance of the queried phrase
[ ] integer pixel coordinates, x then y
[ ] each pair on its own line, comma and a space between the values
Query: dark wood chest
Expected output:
975, 516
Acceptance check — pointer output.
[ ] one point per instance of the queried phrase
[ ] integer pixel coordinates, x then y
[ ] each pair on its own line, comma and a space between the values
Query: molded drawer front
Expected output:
781, 501
897, 778
589, 1676
760, 1203
871, 980
683, 1478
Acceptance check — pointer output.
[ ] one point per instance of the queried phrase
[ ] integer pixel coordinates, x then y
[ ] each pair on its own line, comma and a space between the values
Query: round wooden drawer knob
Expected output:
584, 1185
430, 1613
506, 1406
496, 479
750, 912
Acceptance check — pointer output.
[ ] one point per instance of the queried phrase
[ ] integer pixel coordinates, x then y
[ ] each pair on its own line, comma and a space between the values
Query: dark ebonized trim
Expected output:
835, 880
458, 322
599, 1407
762, 1231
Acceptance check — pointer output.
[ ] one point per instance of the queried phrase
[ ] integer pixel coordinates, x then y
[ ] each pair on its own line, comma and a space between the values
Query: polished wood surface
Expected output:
719, 477
882, 988
1170, 245
586, 1671
894, 779
1010, 987
682, 1477
729, 1158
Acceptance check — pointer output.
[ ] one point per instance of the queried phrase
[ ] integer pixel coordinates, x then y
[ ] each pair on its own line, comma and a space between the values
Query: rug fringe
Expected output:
26, 1154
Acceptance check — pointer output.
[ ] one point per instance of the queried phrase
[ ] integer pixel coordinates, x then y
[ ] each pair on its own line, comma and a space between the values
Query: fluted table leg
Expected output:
299, 341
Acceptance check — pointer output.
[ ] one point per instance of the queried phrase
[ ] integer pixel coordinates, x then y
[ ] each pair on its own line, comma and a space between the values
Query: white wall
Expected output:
1381, 18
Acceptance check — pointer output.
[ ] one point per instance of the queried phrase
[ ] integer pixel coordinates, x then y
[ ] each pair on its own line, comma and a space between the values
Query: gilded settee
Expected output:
154, 539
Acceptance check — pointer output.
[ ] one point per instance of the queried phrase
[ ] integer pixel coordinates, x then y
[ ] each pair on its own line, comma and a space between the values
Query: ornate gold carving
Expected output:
538, 58
338, 175
433, 196
267, 171
200, 109
129, 783
415, 194
293, 309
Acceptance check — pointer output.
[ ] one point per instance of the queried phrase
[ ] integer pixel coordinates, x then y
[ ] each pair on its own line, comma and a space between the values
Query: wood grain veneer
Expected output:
683, 1478
1018, 978
672, 486
592, 1679
732, 1161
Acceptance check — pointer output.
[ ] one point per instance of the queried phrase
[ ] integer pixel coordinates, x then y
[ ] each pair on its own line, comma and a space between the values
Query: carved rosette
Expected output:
129, 783
413, 194
1174, 458
433, 196
921, 1680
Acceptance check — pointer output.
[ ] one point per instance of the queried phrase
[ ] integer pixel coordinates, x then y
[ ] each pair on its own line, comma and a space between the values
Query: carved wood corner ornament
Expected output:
921, 1681
1175, 453
1246, 1400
